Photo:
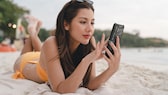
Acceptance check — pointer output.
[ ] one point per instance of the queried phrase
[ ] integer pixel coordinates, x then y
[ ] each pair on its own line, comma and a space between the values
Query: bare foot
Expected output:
34, 25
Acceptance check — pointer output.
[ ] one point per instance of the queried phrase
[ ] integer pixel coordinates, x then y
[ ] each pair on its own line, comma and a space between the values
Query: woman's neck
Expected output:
73, 45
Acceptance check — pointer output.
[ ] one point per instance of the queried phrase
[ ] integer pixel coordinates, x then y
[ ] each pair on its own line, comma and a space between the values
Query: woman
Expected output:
67, 60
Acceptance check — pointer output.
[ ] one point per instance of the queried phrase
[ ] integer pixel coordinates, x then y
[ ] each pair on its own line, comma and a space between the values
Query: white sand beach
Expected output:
128, 80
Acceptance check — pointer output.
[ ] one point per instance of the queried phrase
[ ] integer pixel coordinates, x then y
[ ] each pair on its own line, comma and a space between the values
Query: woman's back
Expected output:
50, 49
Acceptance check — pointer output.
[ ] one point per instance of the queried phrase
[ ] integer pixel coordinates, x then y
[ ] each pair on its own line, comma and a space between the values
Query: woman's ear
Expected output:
66, 25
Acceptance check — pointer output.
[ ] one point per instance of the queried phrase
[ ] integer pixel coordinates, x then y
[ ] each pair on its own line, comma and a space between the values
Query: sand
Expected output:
128, 80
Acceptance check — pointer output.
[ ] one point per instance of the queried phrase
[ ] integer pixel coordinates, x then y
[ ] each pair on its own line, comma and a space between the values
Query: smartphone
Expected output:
117, 30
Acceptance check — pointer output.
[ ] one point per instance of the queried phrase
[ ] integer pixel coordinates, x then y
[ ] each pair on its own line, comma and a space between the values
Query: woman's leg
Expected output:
30, 73
26, 48
32, 43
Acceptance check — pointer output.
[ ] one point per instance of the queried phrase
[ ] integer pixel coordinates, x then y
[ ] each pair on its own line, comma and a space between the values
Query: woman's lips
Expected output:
86, 36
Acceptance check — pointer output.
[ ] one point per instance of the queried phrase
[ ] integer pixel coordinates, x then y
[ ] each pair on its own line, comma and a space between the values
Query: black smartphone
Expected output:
117, 30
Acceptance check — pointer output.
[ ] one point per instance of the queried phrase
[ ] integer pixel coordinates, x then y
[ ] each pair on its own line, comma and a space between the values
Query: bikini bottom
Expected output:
29, 58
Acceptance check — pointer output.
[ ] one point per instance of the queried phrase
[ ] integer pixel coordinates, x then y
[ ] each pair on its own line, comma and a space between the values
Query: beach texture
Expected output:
128, 80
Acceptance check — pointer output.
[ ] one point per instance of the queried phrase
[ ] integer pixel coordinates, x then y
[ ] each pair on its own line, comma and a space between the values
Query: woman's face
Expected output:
81, 28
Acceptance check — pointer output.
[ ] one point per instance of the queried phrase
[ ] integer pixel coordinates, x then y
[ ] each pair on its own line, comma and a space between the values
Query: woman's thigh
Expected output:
30, 73
17, 64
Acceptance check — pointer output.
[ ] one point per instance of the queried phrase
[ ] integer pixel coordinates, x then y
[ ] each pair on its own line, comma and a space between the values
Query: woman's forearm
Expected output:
71, 84
100, 79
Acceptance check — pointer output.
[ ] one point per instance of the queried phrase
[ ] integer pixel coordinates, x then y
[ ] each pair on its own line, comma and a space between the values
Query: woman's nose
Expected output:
90, 28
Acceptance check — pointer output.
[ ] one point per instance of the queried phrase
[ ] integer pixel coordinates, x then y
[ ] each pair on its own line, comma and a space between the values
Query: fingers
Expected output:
103, 42
100, 47
115, 49
110, 55
103, 38
97, 46
118, 42
106, 41
113, 59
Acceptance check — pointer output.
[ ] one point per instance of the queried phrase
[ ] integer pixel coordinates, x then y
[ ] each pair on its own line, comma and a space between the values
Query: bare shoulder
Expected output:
49, 40
50, 43
49, 47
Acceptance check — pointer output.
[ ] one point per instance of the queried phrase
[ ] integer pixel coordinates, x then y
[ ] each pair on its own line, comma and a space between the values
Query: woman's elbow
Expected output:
92, 86
63, 90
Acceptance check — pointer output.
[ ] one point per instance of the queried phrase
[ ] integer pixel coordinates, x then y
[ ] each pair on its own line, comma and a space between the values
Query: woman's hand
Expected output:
98, 52
113, 59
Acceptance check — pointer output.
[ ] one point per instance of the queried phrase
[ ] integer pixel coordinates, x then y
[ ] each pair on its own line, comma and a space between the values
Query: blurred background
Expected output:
145, 34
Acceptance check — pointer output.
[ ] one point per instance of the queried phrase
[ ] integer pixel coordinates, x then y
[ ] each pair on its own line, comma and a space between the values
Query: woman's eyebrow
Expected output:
85, 18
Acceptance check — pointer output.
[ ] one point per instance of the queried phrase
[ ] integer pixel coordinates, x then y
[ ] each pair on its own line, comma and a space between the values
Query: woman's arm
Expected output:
55, 72
113, 62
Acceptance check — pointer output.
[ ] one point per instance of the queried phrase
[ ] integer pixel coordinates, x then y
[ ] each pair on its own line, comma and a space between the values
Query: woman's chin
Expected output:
85, 43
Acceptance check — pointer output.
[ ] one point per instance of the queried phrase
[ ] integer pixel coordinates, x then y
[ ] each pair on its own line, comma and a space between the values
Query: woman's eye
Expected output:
92, 23
82, 22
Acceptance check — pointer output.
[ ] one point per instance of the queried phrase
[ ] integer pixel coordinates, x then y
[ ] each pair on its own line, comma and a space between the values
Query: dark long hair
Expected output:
67, 59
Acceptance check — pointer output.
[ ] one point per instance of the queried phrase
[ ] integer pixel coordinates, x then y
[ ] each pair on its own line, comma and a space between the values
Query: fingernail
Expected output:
111, 42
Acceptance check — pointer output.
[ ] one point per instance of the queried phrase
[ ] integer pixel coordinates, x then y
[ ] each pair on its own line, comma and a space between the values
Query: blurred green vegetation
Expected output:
44, 34
133, 40
10, 12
